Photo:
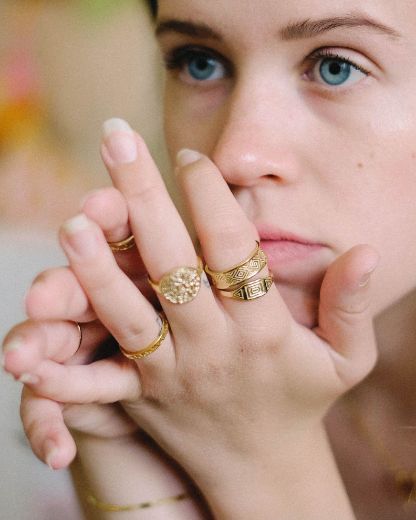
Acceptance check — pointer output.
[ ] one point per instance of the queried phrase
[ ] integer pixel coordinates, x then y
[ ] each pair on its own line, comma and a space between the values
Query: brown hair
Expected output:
153, 6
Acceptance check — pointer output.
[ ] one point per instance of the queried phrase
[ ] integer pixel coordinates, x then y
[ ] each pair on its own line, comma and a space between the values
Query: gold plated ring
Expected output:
250, 290
78, 325
181, 285
241, 272
139, 354
122, 245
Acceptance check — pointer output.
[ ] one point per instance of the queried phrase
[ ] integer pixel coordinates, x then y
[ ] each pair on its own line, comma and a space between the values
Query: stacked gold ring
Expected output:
236, 282
240, 272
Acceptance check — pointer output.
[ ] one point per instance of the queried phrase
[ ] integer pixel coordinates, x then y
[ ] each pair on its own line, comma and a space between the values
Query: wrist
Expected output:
295, 478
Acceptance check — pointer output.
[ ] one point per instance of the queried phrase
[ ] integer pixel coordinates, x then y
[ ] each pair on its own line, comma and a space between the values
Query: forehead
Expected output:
244, 17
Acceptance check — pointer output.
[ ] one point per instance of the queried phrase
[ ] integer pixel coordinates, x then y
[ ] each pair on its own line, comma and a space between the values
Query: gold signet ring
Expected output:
181, 285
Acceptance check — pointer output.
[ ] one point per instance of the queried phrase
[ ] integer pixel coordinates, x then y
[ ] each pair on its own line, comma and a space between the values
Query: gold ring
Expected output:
241, 272
80, 336
122, 245
139, 354
250, 290
181, 285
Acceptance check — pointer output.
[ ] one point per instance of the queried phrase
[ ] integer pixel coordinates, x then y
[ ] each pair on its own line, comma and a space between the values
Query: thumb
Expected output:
345, 319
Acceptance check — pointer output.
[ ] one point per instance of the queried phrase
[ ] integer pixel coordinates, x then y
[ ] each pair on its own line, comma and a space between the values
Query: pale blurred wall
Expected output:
93, 70
90, 67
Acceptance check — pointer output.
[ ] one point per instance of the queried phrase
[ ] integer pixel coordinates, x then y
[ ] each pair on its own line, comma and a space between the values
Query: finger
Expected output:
46, 431
121, 307
345, 318
57, 294
106, 381
107, 207
30, 343
226, 235
161, 236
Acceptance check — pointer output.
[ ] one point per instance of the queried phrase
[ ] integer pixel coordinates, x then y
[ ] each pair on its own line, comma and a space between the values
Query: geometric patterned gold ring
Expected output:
250, 290
241, 272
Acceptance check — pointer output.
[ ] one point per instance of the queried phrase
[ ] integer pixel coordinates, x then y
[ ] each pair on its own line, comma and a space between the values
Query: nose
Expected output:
257, 137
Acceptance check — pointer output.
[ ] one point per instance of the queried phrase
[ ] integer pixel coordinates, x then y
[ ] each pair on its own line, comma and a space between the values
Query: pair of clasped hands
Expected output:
233, 381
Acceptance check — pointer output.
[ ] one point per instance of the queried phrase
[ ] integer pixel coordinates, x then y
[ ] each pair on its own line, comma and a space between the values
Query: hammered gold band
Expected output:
181, 285
250, 290
139, 354
241, 272
122, 245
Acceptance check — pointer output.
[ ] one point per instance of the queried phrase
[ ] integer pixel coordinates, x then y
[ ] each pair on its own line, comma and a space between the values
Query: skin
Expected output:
277, 172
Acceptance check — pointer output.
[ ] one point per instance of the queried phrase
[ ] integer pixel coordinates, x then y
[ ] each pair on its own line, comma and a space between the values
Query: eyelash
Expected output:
177, 58
328, 54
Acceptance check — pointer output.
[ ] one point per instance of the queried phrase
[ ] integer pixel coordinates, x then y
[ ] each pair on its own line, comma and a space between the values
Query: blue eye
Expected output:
197, 65
336, 71
203, 67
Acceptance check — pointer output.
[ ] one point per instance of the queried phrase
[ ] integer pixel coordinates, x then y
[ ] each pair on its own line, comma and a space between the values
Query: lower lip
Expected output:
286, 251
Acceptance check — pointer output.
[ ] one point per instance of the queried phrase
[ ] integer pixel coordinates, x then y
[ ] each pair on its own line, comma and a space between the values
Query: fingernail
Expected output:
366, 277
12, 345
119, 141
186, 156
28, 379
80, 239
50, 451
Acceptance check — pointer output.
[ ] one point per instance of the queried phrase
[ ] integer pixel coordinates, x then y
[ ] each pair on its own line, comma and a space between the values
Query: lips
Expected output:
284, 248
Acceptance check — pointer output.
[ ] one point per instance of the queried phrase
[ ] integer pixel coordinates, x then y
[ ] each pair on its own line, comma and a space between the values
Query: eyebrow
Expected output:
294, 31
310, 28
197, 30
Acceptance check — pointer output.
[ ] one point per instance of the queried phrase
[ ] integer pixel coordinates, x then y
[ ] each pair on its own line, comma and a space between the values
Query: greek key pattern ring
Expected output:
240, 272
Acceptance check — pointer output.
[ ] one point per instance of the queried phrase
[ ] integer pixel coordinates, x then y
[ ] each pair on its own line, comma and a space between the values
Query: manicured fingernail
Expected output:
119, 141
28, 379
186, 156
50, 451
366, 277
80, 239
12, 345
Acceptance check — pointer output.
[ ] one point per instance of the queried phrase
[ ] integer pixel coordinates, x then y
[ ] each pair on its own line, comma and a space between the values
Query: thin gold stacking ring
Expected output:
154, 345
122, 245
241, 272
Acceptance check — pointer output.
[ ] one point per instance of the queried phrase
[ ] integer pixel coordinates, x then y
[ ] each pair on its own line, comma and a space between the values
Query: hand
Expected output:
53, 303
231, 377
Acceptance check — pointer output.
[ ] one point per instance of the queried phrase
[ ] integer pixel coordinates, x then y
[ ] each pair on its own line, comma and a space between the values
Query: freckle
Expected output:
360, 165
414, 155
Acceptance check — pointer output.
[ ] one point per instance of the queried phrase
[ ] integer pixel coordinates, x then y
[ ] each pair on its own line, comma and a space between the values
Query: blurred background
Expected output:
65, 67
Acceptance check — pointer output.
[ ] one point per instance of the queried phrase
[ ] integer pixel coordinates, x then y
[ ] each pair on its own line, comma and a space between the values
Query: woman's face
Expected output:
308, 108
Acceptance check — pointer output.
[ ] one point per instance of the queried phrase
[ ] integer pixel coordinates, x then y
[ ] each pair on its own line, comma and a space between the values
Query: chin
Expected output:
303, 306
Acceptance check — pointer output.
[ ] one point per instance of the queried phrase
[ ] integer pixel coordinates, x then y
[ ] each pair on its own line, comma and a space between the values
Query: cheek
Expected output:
192, 119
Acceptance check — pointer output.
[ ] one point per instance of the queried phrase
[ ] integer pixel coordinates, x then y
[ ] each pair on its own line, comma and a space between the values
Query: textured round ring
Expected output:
122, 245
241, 272
250, 290
181, 285
80, 335
139, 354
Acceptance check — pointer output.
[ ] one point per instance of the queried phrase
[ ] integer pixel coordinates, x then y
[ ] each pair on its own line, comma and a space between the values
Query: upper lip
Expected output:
280, 235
